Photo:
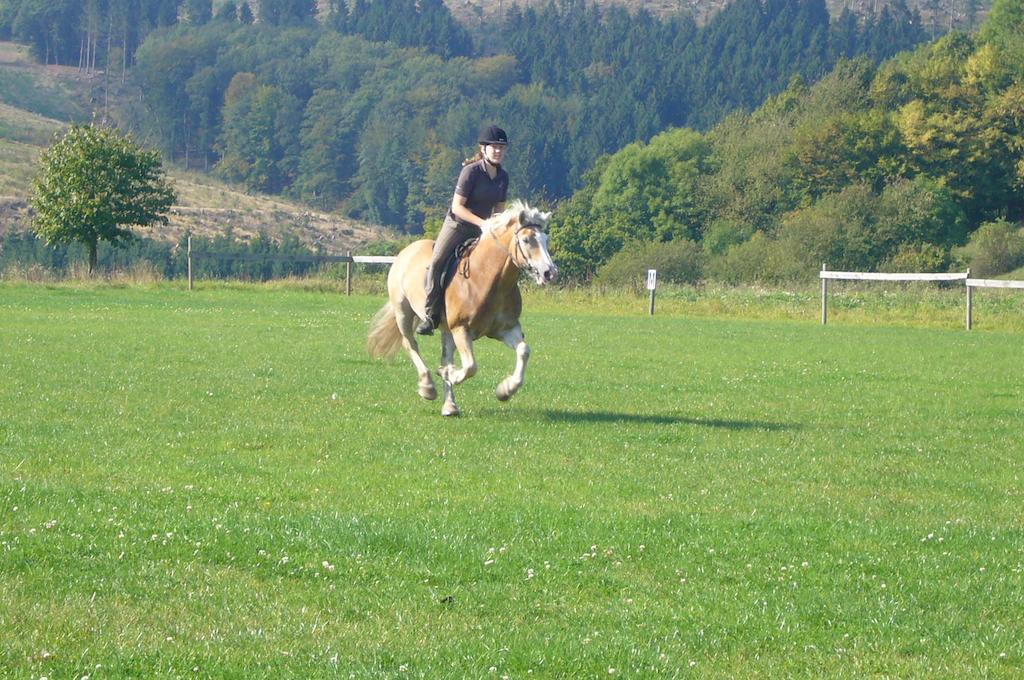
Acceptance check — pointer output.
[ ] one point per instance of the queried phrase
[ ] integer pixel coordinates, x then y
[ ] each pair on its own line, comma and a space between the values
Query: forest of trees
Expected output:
753, 148
371, 110
105, 34
913, 165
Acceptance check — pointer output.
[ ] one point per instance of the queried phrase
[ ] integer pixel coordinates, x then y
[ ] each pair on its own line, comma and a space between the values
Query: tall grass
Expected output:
849, 304
914, 305
77, 275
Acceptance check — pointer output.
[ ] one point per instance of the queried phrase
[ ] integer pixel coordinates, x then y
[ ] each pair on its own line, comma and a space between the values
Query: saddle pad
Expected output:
452, 266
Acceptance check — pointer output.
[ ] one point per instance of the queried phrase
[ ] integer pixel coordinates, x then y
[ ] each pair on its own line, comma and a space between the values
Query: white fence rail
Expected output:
373, 259
970, 285
873, 276
994, 283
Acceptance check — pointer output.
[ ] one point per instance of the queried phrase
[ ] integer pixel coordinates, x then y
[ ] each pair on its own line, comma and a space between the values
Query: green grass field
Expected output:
221, 484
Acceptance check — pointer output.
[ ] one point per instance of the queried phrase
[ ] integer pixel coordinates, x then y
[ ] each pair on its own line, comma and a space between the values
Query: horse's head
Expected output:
529, 244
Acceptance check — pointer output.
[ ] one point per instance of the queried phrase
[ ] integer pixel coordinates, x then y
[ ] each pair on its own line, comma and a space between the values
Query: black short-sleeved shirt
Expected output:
480, 191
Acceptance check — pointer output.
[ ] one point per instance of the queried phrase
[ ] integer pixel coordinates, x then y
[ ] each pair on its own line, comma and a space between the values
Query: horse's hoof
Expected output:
504, 391
450, 410
428, 392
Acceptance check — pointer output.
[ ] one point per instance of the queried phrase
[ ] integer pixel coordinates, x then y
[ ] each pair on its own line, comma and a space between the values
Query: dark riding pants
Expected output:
453, 233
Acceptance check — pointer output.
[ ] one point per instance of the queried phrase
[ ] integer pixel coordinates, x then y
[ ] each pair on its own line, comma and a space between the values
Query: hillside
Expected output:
913, 164
28, 92
272, 108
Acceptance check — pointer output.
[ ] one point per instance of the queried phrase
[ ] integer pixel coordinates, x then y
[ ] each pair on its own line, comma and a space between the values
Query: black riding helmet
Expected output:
492, 134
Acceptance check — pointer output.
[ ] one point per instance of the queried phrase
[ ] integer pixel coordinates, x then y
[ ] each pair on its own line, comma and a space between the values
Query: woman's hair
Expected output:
474, 158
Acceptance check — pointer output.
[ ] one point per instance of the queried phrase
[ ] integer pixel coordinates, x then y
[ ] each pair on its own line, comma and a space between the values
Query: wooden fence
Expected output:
970, 285
349, 259
985, 283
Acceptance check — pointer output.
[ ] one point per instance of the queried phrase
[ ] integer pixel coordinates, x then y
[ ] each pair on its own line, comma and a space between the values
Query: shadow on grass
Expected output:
662, 419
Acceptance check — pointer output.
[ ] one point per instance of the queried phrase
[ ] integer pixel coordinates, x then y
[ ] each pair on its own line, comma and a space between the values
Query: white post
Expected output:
348, 273
970, 301
190, 261
652, 282
824, 296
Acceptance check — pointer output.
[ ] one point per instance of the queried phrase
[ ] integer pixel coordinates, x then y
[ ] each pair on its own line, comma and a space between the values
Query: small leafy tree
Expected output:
93, 184
678, 261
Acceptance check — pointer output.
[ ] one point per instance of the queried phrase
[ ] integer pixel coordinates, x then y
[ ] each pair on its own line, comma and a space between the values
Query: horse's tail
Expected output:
384, 339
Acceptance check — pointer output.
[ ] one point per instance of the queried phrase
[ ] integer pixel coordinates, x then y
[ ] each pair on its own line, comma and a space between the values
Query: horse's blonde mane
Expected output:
503, 219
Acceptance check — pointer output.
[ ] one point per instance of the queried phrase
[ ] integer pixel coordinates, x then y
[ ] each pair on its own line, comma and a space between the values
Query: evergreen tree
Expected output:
48, 26
228, 11
166, 12
845, 35
337, 16
410, 23
285, 12
197, 12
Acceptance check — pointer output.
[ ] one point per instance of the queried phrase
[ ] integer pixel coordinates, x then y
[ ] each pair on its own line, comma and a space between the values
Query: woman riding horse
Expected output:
483, 300
479, 193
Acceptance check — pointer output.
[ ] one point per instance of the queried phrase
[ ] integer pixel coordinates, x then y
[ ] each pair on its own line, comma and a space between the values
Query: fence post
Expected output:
348, 274
970, 301
824, 296
190, 261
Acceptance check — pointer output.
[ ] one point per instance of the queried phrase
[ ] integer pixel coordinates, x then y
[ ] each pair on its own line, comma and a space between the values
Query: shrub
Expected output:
918, 257
755, 261
678, 261
837, 230
917, 211
994, 248
723, 233
860, 230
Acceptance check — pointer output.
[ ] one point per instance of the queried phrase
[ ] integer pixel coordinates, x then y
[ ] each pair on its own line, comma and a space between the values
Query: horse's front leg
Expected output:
514, 338
463, 343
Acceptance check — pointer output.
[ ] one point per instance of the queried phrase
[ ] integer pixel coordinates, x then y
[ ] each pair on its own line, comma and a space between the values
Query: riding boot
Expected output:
434, 290
426, 326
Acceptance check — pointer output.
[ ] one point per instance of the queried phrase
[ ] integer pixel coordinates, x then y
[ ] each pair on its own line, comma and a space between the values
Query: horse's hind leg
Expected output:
407, 319
450, 408
514, 338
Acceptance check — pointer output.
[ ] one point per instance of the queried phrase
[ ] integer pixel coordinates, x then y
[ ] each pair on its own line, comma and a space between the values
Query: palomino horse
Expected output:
482, 300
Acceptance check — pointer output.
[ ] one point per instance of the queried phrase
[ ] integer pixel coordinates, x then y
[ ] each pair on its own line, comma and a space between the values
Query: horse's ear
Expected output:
523, 217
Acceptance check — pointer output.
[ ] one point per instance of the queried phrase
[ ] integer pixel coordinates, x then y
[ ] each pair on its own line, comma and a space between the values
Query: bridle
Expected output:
519, 248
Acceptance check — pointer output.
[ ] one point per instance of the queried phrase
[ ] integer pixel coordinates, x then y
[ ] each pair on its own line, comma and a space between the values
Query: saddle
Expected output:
451, 270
